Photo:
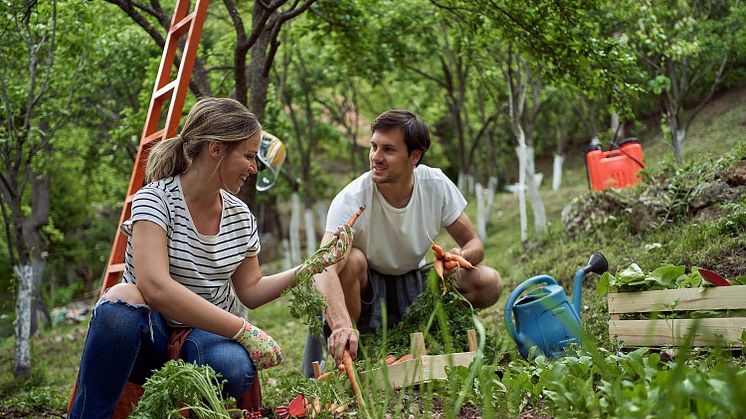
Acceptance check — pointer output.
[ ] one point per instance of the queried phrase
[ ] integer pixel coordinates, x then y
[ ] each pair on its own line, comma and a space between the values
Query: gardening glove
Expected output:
330, 253
262, 349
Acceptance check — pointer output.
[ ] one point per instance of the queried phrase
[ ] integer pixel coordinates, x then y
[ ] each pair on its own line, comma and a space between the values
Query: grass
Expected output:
610, 380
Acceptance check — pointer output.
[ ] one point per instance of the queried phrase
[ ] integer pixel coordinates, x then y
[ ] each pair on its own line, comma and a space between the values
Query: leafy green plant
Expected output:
181, 386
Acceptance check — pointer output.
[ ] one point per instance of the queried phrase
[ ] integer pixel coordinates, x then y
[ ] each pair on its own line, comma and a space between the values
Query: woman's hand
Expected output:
262, 349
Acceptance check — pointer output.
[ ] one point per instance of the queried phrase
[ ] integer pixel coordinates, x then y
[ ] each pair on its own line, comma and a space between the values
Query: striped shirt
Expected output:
204, 264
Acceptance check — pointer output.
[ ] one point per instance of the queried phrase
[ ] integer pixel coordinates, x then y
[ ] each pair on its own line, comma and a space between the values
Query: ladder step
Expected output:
181, 26
115, 268
152, 137
167, 90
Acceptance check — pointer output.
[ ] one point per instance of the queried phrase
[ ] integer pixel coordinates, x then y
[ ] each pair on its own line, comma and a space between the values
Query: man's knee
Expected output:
127, 293
355, 270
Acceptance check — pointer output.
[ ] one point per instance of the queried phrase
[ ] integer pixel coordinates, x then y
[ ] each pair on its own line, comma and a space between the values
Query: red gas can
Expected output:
615, 168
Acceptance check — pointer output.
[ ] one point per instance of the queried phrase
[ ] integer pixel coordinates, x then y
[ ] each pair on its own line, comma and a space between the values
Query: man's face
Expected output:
389, 160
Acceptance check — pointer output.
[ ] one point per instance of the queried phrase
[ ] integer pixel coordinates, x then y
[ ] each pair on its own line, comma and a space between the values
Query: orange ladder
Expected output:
186, 24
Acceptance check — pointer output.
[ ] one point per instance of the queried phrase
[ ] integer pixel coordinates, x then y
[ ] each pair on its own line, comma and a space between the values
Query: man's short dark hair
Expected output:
416, 133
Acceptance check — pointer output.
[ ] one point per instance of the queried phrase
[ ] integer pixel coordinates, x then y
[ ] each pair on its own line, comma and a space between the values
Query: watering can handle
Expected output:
517, 293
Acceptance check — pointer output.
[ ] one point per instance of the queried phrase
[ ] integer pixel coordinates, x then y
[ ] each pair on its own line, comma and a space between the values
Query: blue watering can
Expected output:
544, 317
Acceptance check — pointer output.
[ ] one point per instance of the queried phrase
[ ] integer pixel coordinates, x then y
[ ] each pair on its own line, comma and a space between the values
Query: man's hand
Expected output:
344, 338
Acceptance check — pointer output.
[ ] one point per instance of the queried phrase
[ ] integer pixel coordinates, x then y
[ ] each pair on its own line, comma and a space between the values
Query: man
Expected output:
405, 203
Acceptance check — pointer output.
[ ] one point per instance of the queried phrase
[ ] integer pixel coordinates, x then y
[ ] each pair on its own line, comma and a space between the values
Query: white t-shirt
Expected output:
202, 263
394, 240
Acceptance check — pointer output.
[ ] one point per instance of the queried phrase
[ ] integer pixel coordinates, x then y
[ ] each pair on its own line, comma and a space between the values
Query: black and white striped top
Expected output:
202, 263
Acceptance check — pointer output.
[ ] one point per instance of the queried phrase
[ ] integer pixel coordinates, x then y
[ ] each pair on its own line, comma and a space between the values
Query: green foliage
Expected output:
180, 386
664, 277
443, 319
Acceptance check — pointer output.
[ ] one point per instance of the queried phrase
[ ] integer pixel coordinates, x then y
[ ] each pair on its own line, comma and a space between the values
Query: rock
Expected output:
644, 213
709, 213
709, 193
737, 174
586, 212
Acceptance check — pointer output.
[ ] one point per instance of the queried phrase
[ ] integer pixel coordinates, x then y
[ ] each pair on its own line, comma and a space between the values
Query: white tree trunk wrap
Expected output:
481, 211
310, 232
287, 261
557, 171
294, 229
540, 218
25, 274
521, 152
321, 209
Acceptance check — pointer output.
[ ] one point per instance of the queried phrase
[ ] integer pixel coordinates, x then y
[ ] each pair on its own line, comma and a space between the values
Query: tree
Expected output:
256, 44
28, 52
686, 48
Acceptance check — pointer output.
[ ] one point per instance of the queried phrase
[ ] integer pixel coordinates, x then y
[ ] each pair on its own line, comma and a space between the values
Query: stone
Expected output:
737, 174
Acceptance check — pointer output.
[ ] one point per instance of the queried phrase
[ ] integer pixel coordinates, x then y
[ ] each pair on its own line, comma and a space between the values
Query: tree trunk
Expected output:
557, 171
294, 229
310, 232
521, 152
22, 325
532, 186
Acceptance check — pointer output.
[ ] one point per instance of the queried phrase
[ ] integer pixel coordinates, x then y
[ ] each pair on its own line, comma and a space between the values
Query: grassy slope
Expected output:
718, 129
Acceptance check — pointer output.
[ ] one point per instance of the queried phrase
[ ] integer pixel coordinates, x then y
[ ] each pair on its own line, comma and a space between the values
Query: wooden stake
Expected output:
471, 340
316, 369
418, 344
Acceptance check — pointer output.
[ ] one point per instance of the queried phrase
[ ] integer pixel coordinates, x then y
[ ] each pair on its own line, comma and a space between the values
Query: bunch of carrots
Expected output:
446, 261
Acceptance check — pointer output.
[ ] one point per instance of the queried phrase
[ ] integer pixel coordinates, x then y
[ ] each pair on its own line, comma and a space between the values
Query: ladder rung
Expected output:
167, 90
182, 26
115, 268
152, 137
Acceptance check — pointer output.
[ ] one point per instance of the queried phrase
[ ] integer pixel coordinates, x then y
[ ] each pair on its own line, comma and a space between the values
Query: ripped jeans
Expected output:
127, 342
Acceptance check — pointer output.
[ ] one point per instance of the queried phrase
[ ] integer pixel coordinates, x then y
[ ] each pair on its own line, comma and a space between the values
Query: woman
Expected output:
192, 251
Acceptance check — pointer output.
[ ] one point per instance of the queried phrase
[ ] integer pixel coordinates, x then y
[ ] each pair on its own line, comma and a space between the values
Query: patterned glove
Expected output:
262, 349
328, 254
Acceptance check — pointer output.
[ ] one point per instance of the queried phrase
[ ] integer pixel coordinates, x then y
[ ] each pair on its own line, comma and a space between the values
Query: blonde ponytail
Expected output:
210, 119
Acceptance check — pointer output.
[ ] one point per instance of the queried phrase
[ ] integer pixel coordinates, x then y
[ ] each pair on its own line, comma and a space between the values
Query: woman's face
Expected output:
239, 164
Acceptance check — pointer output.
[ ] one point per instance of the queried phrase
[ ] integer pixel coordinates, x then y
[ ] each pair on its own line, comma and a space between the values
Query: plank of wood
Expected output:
416, 371
712, 298
671, 332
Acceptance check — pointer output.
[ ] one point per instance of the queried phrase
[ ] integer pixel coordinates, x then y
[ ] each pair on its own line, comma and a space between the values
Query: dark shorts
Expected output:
395, 292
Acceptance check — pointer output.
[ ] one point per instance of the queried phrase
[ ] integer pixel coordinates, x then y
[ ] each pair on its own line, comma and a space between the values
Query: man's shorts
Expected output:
396, 292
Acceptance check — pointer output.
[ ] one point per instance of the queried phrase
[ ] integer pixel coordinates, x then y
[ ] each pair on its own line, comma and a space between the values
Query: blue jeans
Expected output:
127, 342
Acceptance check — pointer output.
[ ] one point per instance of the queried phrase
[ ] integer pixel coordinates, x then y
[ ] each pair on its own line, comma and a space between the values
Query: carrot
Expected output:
439, 268
324, 376
462, 261
438, 251
340, 409
404, 358
450, 264
350, 369
390, 359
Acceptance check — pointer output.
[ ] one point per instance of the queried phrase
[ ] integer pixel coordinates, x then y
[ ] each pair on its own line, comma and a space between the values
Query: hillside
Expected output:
718, 131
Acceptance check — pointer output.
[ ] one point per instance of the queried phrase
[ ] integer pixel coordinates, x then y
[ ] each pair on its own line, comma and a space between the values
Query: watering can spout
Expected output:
597, 264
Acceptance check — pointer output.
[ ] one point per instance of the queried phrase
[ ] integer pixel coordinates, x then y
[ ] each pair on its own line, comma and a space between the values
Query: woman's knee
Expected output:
226, 357
127, 293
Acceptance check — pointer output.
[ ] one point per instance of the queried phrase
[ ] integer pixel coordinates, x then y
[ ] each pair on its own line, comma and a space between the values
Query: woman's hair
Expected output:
210, 119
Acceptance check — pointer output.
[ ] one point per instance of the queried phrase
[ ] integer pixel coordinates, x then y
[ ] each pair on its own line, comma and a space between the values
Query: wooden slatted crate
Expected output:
422, 368
671, 332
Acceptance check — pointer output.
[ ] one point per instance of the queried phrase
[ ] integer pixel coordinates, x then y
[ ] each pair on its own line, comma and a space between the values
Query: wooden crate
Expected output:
422, 368
671, 332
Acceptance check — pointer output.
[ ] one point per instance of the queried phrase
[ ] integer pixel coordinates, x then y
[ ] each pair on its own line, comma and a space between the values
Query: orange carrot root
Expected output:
390, 359
450, 264
439, 268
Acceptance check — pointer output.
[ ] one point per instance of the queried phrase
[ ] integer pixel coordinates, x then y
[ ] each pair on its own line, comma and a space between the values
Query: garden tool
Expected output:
713, 277
544, 318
